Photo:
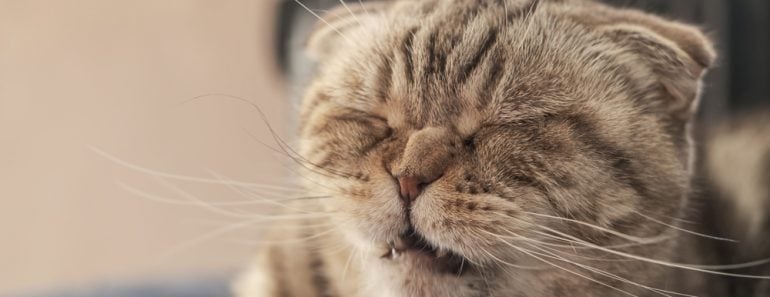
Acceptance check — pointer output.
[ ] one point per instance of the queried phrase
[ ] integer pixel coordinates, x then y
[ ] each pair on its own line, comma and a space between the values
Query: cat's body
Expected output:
491, 148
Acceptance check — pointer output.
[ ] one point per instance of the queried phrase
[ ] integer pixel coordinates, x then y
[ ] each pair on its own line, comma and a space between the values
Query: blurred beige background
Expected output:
115, 75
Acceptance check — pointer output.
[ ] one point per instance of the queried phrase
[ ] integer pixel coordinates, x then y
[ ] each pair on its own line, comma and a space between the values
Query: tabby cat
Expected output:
462, 148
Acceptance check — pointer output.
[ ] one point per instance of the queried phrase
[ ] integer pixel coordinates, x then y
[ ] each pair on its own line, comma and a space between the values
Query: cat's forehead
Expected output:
472, 66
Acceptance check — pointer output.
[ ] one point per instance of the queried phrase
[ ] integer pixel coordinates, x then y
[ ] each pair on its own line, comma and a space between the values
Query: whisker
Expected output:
257, 191
173, 176
219, 232
292, 169
615, 246
285, 148
636, 240
347, 263
600, 228
528, 252
576, 255
200, 202
710, 269
476, 236
283, 152
361, 3
219, 223
269, 201
275, 187
691, 267
607, 274
323, 20
351, 12
500, 261
595, 270
166, 200
203, 238
541, 243
210, 207
684, 230
290, 240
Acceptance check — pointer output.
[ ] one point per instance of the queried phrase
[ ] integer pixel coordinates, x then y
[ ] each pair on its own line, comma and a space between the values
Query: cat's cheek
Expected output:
367, 226
375, 219
474, 225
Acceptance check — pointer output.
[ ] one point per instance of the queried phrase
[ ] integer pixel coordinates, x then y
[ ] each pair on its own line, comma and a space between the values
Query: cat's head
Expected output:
485, 129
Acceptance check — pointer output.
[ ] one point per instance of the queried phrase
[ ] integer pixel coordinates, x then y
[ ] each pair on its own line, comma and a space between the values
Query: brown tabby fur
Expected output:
524, 113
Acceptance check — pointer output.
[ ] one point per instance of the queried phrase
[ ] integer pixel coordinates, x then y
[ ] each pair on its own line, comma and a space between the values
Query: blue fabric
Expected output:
199, 287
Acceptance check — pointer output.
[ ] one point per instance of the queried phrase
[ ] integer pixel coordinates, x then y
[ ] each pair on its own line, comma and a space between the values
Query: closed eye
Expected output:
374, 130
470, 142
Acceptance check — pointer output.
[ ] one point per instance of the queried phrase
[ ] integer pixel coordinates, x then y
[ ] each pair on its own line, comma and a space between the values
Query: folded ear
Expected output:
337, 28
676, 53
678, 56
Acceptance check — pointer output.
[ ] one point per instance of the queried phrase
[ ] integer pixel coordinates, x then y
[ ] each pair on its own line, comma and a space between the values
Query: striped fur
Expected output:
529, 115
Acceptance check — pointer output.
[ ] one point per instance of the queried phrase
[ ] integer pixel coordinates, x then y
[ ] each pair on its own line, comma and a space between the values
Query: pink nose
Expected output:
410, 187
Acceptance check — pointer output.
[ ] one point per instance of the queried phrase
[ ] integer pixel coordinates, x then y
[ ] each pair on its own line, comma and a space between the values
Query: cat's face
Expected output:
464, 137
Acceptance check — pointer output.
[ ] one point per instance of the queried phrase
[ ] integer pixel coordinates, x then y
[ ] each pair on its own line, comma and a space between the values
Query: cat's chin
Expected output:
412, 249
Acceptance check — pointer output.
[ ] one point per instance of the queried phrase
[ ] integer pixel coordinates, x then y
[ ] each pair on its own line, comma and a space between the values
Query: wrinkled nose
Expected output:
425, 157
410, 187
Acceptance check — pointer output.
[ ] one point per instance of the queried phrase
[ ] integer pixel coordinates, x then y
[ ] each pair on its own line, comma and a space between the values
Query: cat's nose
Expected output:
426, 155
410, 187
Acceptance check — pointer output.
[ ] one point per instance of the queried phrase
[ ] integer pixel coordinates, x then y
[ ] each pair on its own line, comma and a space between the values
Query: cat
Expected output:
466, 148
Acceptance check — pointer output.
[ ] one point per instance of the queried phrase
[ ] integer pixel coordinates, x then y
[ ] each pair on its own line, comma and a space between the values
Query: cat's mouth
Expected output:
411, 244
